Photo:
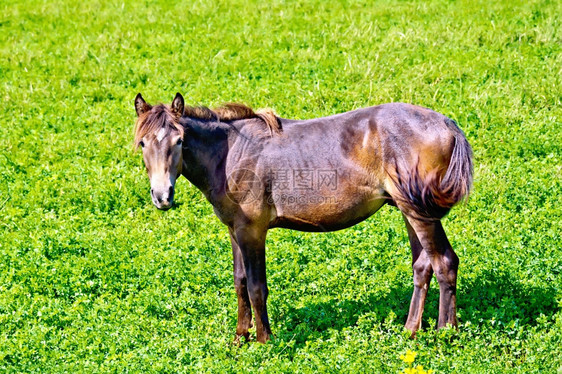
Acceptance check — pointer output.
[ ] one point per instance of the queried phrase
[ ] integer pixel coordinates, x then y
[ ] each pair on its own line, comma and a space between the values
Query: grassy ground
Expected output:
93, 278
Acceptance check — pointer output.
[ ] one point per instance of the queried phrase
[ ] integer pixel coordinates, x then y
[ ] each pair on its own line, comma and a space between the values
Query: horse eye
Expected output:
141, 143
179, 142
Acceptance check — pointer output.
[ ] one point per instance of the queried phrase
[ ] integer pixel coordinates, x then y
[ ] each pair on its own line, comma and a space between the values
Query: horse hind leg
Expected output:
444, 263
421, 266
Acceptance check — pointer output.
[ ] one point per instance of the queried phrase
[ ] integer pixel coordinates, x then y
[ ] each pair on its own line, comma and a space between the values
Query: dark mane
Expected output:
235, 111
160, 116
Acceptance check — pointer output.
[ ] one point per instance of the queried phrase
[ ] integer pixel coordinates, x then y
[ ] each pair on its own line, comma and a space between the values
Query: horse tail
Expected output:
430, 197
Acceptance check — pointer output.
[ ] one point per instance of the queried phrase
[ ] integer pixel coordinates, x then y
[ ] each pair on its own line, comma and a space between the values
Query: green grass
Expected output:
94, 279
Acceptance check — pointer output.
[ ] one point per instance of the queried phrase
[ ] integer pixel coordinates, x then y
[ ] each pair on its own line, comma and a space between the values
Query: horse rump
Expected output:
431, 196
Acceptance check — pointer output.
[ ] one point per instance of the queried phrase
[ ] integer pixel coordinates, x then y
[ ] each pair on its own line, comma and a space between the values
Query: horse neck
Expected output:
204, 153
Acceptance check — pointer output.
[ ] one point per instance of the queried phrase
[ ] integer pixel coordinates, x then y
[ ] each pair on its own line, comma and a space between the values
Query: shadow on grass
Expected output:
315, 320
492, 296
176, 205
503, 297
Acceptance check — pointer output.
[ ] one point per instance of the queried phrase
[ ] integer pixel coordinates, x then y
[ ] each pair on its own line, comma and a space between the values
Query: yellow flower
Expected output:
409, 371
419, 370
409, 357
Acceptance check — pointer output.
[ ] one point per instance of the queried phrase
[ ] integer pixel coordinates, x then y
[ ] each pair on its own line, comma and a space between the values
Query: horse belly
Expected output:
325, 212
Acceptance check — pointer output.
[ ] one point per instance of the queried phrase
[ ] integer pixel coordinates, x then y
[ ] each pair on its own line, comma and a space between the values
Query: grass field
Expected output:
94, 279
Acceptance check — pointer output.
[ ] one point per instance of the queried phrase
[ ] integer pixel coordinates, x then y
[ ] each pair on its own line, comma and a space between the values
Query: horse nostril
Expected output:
151, 192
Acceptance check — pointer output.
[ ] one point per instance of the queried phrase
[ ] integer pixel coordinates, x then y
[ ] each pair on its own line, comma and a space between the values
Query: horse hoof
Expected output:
411, 332
264, 338
239, 340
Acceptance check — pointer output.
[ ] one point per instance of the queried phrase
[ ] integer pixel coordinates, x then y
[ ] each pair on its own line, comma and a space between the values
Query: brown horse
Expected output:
260, 172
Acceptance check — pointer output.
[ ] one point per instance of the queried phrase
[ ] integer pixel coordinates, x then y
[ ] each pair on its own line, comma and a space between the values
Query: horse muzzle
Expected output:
163, 199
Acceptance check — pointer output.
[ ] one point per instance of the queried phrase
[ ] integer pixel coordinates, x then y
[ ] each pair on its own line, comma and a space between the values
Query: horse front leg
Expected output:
421, 266
251, 242
241, 286
444, 263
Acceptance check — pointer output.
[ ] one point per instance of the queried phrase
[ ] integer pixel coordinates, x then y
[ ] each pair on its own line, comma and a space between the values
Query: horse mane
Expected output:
235, 111
161, 116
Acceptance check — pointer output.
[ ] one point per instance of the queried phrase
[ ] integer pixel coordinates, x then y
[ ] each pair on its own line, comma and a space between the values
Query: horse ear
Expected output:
178, 104
141, 106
